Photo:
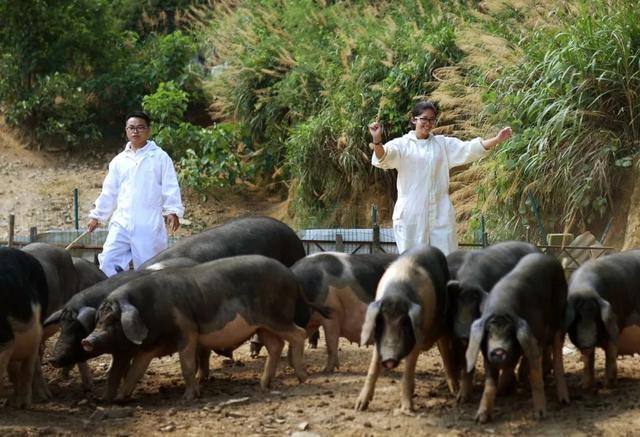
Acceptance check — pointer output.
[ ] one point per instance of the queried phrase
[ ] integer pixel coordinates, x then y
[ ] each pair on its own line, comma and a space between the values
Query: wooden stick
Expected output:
76, 240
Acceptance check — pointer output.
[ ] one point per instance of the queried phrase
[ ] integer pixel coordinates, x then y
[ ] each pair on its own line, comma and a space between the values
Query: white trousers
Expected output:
408, 236
123, 246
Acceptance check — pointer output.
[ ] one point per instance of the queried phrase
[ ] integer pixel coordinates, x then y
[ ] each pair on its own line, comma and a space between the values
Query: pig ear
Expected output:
366, 336
475, 340
609, 319
453, 288
527, 341
569, 315
53, 319
132, 324
87, 318
483, 299
415, 314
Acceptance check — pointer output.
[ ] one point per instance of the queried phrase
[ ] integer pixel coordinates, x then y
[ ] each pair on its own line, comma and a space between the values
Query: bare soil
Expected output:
232, 403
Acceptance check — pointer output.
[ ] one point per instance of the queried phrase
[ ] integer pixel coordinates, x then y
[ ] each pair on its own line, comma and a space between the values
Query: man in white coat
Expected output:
139, 192
423, 213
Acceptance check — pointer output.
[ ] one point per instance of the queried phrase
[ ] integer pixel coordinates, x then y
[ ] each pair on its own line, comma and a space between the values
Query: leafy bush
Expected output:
306, 78
574, 102
69, 71
216, 159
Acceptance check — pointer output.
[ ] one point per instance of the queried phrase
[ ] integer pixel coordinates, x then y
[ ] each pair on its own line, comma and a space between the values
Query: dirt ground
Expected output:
232, 403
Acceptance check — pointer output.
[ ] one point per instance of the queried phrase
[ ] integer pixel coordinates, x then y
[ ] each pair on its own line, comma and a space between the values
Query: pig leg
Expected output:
189, 366
588, 371
4, 365
611, 364
331, 329
40, 388
23, 388
203, 365
85, 377
445, 346
366, 394
296, 337
408, 381
139, 365
506, 381
558, 370
274, 346
466, 384
488, 394
119, 367
536, 381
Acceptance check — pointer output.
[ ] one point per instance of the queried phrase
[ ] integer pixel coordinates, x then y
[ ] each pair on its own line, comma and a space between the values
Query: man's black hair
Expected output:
139, 114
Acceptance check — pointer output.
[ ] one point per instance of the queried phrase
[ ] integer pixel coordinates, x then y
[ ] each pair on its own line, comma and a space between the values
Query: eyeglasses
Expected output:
136, 128
426, 120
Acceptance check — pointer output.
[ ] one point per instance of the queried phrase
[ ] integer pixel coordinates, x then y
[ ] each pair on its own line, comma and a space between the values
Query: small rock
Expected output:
304, 434
171, 412
303, 426
367, 424
233, 414
98, 415
119, 413
168, 428
82, 403
234, 401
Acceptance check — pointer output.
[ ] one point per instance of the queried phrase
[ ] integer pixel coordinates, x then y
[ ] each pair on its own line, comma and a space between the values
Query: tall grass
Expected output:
307, 77
574, 103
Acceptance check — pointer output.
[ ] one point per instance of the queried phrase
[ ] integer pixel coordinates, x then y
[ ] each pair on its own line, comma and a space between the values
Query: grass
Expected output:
573, 102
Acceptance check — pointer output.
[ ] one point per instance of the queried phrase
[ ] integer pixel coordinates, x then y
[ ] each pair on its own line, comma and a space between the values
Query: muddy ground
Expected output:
232, 403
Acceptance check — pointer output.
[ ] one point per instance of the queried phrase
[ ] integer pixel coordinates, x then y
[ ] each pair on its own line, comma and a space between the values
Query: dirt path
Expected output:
321, 406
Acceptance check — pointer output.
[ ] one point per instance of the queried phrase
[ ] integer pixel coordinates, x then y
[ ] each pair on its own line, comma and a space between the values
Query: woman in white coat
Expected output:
423, 213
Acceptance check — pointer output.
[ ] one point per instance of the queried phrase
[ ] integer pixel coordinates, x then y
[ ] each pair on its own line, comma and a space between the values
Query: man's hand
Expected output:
173, 222
93, 224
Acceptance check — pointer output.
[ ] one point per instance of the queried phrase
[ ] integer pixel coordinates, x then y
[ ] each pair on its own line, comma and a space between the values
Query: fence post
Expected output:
33, 234
375, 243
485, 243
12, 228
339, 243
75, 208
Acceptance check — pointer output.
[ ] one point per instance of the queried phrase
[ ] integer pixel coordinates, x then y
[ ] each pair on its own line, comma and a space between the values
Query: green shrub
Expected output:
574, 103
215, 159
306, 78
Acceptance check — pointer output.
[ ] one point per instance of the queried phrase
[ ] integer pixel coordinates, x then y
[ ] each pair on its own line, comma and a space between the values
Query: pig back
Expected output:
485, 267
251, 235
616, 278
535, 291
60, 274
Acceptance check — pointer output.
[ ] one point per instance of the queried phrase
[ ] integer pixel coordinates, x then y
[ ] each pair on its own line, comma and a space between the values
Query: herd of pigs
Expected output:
250, 278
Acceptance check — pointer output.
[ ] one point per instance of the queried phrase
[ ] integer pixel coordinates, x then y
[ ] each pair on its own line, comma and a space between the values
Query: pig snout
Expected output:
390, 363
498, 356
87, 344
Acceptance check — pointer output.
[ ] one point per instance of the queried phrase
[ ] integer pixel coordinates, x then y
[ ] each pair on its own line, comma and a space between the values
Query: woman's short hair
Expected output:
422, 106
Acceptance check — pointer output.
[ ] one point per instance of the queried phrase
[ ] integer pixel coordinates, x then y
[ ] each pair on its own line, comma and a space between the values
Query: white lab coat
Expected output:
423, 213
140, 188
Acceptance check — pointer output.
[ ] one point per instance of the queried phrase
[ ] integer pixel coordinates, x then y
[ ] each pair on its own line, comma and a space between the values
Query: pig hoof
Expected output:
302, 376
453, 386
461, 397
540, 414
482, 417
362, 403
404, 411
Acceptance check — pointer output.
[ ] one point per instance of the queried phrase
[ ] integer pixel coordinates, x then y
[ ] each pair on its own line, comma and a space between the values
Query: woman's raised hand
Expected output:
375, 129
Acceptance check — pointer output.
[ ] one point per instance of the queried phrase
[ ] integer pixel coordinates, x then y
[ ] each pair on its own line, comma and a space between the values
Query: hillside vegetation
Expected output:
276, 96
